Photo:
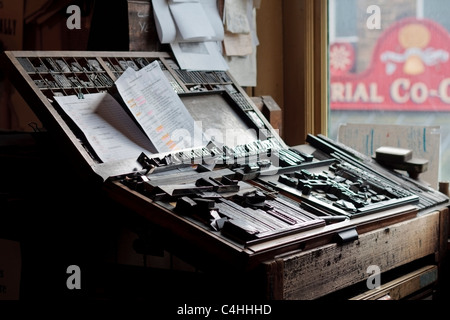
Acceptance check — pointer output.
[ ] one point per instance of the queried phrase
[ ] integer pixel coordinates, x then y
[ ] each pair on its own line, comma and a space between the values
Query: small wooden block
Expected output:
414, 165
393, 155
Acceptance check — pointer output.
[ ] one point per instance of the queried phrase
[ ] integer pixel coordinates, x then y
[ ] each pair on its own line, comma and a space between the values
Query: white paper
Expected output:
197, 20
236, 18
216, 21
251, 16
158, 109
244, 69
238, 44
201, 56
165, 26
192, 28
106, 125
191, 21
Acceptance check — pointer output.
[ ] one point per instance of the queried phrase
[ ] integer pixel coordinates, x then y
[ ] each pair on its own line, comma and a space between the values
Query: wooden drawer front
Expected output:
403, 286
317, 272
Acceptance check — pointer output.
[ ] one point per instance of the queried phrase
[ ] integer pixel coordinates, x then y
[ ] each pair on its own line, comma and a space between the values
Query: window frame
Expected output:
306, 76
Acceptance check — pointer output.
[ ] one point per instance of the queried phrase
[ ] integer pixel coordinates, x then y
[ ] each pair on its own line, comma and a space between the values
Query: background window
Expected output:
438, 10
343, 20
398, 74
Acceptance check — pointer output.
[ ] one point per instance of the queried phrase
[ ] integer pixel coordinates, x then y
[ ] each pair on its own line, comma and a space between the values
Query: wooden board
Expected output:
404, 286
271, 110
317, 272
141, 27
444, 234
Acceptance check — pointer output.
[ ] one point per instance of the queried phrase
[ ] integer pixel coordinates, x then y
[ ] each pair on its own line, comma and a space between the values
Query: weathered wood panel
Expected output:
141, 27
317, 272
271, 110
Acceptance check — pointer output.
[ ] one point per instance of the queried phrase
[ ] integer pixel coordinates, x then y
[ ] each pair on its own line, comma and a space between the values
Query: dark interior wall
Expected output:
109, 26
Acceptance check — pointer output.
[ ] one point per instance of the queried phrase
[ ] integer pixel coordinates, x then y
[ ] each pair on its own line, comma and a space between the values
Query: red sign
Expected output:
409, 71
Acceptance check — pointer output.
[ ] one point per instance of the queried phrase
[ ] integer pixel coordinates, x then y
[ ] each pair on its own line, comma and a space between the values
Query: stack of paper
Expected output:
240, 40
194, 29
154, 119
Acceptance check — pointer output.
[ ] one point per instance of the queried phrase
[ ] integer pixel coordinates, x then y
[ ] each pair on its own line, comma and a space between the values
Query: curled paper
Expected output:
187, 21
165, 26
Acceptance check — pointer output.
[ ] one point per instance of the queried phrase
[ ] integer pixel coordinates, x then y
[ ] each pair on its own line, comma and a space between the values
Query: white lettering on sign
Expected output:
403, 91
398, 89
443, 90
345, 92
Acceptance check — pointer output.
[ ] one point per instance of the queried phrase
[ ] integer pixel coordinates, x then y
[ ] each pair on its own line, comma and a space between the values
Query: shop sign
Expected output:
409, 71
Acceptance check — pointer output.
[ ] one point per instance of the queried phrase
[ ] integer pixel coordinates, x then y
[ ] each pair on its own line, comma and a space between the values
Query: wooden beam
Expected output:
269, 21
321, 78
305, 69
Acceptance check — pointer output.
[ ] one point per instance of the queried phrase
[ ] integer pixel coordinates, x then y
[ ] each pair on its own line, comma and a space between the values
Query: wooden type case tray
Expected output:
39, 76
212, 97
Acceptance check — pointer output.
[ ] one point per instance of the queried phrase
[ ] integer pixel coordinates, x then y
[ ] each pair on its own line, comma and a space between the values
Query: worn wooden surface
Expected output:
141, 27
444, 234
403, 286
271, 110
317, 272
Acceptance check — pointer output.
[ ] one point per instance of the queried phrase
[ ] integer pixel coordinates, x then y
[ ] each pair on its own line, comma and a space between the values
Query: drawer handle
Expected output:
347, 236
